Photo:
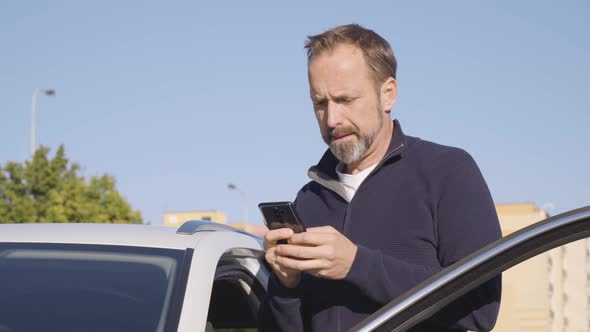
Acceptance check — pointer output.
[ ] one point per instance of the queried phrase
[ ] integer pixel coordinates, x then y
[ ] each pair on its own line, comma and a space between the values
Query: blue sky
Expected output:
178, 99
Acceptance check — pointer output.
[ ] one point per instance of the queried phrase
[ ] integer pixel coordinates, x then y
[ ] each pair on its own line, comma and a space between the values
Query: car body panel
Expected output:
100, 234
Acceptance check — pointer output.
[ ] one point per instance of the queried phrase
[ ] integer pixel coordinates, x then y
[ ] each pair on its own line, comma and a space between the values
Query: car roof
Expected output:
112, 234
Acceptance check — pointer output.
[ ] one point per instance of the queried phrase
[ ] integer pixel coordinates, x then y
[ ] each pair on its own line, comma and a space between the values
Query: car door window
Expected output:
547, 292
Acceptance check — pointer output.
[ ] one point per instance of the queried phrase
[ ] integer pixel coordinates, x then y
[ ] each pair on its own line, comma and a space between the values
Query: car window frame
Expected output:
241, 263
210, 247
245, 266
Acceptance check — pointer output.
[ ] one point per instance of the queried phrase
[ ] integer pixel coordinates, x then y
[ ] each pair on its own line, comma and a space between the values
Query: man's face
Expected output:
346, 103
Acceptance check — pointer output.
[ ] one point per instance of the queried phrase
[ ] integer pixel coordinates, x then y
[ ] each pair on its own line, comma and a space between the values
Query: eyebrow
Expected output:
340, 96
316, 97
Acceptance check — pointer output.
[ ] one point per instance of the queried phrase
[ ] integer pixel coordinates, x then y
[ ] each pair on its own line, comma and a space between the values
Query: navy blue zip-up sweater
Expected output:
424, 207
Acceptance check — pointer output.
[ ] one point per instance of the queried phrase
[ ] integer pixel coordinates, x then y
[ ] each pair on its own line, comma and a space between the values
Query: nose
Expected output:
334, 116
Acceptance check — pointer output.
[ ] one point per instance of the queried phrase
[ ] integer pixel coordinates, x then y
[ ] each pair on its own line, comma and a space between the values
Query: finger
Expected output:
271, 259
300, 265
312, 238
300, 252
278, 234
285, 272
270, 256
322, 229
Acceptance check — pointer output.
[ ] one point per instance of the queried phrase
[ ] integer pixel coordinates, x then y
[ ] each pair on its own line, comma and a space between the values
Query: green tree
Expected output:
51, 190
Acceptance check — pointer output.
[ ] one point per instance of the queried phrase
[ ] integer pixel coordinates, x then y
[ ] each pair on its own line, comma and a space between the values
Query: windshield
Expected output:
56, 287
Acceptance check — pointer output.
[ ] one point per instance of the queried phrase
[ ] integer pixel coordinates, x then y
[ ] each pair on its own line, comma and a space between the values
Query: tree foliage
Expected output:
51, 190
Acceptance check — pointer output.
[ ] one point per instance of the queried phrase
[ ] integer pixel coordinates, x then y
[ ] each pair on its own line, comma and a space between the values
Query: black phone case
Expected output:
281, 215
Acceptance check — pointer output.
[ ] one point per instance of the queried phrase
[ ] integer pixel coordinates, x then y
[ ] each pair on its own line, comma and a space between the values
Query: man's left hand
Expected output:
320, 251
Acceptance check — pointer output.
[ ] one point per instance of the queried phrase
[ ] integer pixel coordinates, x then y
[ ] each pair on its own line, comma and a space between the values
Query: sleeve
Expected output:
465, 220
281, 308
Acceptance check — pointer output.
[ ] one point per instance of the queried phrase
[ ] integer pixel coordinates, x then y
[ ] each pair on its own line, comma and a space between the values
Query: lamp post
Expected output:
231, 186
47, 92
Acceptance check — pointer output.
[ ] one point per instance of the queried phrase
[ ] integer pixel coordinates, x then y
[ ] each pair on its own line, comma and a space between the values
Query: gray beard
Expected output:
348, 152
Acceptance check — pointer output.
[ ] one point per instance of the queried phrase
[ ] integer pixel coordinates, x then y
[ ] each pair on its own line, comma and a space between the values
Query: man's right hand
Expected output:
288, 277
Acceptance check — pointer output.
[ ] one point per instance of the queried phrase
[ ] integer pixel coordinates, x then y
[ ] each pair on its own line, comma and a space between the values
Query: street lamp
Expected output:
231, 186
47, 92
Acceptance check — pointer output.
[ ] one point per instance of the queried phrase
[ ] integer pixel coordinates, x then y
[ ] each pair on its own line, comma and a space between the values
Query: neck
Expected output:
375, 153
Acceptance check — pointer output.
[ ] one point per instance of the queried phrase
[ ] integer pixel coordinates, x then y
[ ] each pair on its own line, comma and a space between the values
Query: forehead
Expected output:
343, 67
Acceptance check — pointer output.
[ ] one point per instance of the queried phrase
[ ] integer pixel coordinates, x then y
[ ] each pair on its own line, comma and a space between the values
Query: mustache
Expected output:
341, 131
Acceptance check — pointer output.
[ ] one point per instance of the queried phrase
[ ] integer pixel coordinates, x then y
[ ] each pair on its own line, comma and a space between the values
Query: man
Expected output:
384, 211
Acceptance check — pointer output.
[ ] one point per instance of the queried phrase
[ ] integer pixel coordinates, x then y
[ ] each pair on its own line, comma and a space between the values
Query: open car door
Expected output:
430, 296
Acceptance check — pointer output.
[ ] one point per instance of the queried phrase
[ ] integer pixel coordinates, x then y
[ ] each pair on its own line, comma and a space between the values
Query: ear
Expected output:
388, 94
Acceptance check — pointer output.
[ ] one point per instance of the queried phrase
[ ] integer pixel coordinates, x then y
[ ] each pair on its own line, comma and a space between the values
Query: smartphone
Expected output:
281, 215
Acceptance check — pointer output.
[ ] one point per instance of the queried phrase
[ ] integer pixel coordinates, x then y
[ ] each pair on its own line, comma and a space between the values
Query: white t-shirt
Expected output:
352, 182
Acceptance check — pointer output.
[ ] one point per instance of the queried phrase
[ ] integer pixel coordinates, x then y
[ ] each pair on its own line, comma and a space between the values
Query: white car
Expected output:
203, 276
105, 277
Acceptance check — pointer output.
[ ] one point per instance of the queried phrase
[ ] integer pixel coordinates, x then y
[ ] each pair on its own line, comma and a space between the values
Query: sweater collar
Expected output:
328, 162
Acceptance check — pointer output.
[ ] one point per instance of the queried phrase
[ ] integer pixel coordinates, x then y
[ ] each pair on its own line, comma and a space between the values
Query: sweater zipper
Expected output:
391, 154
347, 217
336, 187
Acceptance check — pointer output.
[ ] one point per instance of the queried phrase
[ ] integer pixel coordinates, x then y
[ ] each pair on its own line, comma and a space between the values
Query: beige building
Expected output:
548, 292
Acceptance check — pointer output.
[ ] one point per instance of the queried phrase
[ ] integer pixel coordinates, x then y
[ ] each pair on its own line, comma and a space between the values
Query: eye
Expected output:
345, 100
